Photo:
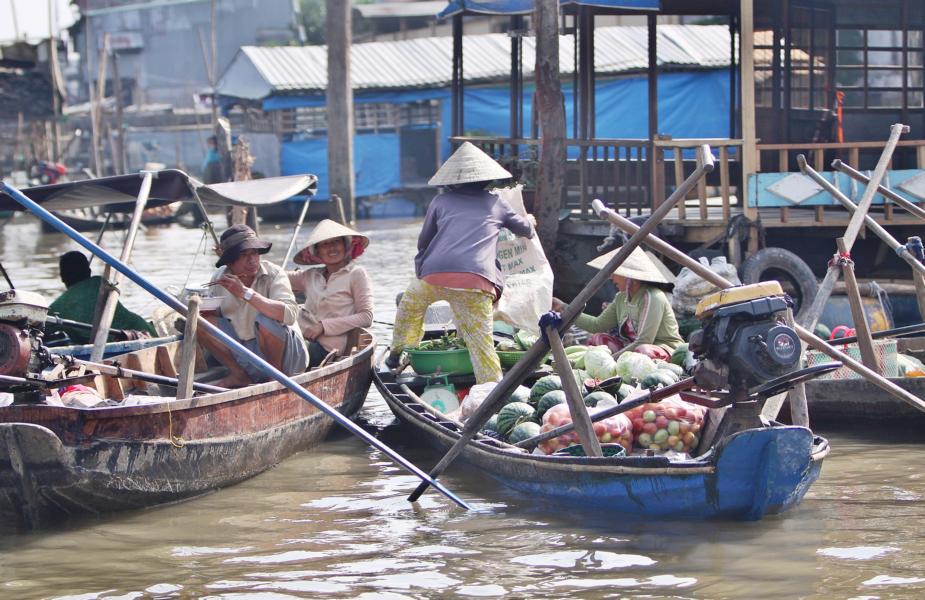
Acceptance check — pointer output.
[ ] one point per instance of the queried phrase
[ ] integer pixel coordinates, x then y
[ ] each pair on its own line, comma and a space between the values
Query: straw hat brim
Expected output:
468, 165
639, 265
327, 230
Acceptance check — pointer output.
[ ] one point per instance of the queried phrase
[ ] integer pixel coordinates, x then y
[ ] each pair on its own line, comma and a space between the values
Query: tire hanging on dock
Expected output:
790, 270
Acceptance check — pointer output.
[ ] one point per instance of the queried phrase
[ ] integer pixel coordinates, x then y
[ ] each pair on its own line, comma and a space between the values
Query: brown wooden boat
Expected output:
57, 461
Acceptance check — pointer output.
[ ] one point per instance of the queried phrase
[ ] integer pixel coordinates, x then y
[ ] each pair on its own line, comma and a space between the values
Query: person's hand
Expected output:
314, 331
234, 285
531, 219
558, 305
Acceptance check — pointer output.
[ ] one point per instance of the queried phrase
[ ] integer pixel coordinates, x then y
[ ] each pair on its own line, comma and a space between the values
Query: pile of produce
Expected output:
616, 429
523, 340
671, 424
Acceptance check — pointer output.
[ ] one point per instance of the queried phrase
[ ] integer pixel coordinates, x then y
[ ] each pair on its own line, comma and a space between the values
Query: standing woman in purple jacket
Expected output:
457, 258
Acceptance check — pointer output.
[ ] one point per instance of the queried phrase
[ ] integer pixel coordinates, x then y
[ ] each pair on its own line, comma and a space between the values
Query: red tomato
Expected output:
650, 428
671, 414
661, 422
638, 424
599, 429
681, 411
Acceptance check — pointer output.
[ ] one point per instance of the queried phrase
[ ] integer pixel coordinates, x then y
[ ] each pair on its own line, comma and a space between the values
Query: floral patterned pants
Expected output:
472, 313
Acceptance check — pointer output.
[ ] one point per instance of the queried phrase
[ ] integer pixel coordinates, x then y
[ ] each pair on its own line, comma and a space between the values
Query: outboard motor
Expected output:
22, 322
746, 340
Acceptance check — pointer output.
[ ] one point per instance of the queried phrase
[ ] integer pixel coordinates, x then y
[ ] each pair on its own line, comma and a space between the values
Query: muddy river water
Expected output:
334, 523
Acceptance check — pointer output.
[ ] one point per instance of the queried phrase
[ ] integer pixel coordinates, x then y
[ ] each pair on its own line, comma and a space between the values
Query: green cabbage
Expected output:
599, 363
632, 366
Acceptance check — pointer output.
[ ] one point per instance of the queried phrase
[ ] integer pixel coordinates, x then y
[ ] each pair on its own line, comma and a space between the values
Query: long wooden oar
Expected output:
119, 371
915, 209
811, 339
264, 367
528, 362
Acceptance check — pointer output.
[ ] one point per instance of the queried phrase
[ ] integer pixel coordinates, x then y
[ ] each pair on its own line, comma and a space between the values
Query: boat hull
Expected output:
57, 462
748, 475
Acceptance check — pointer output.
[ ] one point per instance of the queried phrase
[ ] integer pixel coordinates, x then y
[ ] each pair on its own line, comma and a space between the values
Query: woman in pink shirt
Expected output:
338, 296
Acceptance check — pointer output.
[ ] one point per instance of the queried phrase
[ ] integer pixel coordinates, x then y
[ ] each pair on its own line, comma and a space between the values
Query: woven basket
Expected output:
884, 349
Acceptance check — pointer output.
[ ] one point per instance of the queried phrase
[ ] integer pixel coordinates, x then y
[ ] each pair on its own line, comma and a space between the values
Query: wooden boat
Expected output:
93, 218
56, 461
856, 402
756, 470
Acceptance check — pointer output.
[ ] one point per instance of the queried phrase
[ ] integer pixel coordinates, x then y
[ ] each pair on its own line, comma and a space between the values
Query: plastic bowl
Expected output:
210, 304
425, 362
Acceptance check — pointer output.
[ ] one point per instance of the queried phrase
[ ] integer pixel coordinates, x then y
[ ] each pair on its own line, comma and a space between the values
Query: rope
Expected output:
841, 259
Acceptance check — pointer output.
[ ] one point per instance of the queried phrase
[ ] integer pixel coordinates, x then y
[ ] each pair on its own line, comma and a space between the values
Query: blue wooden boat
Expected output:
748, 469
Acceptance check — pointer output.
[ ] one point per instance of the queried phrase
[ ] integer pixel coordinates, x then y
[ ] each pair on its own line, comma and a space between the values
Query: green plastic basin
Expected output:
426, 362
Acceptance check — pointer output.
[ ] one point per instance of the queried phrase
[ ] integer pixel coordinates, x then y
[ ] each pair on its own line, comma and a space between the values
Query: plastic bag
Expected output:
690, 288
671, 424
473, 401
616, 429
909, 366
528, 277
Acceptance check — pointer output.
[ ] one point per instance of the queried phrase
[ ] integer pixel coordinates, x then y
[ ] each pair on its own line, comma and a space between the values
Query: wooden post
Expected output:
339, 99
919, 281
187, 361
118, 158
551, 112
576, 404
865, 342
242, 161
747, 90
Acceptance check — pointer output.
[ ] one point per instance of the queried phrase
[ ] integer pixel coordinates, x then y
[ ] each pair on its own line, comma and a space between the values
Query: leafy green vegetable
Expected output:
448, 341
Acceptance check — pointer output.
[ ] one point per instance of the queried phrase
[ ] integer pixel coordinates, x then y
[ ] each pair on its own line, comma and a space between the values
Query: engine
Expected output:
22, 321
745, 340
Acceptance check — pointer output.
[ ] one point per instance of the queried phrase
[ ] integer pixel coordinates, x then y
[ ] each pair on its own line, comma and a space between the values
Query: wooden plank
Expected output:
854, 157
747, 102
165, 364
187, 359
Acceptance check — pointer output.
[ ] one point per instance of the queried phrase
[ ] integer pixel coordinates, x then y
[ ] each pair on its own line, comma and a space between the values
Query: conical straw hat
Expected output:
466, 165
329, 230
639, 265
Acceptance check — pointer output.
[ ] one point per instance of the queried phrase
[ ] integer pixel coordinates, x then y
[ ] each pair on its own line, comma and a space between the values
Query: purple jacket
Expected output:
460, 235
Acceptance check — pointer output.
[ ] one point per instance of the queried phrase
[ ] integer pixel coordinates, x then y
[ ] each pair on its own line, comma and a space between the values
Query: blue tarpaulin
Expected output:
515, 7
376, 158
691, 105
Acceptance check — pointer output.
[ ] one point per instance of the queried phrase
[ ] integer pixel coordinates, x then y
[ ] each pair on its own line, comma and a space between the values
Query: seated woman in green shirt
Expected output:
640, 317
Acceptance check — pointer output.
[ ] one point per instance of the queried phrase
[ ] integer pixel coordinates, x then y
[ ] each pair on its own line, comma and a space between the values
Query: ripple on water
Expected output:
595, 559
857, 552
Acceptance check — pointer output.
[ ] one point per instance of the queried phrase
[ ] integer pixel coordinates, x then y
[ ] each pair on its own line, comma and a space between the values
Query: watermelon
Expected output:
520, 394
822, 331
491, 424
524, 431
658, 378
594, 397
679, 356
548, 400
513, 414
543, 385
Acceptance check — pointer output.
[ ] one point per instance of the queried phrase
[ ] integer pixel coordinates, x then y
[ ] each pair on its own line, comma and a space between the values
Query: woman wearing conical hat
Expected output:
457, 258
640, 317
338, 297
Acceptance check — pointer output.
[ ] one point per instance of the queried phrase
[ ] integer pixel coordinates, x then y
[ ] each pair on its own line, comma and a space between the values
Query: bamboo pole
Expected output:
854, 225
526, 364
109, 287
870, 222
865, 342
886, 192
295, 234
811, 339
576, 404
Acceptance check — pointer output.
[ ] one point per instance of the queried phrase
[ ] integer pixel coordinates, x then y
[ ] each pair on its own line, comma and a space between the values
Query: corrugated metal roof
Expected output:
427, 62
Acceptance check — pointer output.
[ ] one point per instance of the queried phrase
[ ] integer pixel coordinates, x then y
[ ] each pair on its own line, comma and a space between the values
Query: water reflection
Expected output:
334, 523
